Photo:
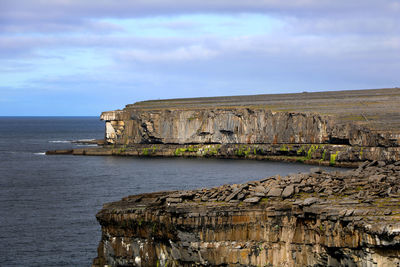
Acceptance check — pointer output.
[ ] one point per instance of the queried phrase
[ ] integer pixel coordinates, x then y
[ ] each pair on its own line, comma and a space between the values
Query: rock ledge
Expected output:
313, 219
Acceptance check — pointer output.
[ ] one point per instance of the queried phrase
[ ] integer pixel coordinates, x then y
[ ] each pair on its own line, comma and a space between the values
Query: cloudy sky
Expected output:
74, 57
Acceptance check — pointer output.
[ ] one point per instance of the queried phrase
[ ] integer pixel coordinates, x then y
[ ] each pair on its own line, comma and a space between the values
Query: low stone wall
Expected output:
313, 219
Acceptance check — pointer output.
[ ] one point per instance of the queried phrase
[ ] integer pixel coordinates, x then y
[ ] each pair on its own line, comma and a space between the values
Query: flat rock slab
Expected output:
275, 192
252, 200
288, 191
310, 201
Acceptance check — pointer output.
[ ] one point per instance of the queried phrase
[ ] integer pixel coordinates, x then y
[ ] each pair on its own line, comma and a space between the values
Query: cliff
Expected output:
313, 219
367, 122
326, 128
235, 125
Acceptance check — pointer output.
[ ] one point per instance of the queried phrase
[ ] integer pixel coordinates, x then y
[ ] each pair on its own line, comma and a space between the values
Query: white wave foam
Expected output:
40, 153
87, 145
59, 141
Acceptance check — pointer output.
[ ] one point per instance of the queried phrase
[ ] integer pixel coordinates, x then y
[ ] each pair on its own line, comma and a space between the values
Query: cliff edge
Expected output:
362, 117
312, 219
341, 128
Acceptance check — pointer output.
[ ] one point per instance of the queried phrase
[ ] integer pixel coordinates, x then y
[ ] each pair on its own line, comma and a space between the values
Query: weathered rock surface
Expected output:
325, 128
357, 118
347, 126
234, 125
313, 219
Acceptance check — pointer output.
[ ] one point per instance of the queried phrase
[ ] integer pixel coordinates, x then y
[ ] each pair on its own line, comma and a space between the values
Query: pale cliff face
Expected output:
234, 125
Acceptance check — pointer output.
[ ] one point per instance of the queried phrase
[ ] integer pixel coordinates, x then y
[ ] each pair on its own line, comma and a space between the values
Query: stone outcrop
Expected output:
336, 128
366, 121
234, 126
358, 118
312, 219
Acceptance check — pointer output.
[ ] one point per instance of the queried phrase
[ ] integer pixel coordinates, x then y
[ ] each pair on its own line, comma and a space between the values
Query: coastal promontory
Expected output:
320, 218
311, 219
341, 128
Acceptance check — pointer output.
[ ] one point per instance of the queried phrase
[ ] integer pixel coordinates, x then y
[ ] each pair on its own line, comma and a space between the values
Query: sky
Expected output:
74, 57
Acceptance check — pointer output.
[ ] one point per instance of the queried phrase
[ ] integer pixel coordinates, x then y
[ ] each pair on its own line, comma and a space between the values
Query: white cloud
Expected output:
308, 44
52, 15
188, 53
342, 26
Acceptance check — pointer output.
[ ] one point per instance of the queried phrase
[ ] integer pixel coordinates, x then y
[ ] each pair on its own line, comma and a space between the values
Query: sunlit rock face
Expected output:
234, 126
313, 219
357, 118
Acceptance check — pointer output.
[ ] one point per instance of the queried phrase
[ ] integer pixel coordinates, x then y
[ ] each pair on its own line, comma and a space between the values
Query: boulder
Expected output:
288, 191
275, 192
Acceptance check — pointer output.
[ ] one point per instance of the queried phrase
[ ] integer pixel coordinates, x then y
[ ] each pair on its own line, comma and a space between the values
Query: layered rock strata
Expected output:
342, 128
357, 118
311, 219
363, 120
236, 126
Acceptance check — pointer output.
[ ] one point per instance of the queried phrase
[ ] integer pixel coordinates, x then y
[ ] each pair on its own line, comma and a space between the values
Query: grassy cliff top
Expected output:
377, 108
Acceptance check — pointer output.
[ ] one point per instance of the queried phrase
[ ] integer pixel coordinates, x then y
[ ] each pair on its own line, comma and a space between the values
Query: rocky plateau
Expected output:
319, 218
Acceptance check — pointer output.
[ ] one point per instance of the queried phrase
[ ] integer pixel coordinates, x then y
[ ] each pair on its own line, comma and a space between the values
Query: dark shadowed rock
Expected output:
316, 170
363, 164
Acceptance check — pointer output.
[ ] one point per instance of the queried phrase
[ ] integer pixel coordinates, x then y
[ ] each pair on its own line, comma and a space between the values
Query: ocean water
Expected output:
48, 203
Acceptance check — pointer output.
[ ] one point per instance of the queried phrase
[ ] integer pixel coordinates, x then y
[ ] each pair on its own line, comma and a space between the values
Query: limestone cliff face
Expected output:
313, 219
233, 125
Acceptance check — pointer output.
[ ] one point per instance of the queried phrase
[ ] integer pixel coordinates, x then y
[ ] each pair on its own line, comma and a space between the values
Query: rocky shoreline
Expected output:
312, 219
315, 219
313, 154
340, 128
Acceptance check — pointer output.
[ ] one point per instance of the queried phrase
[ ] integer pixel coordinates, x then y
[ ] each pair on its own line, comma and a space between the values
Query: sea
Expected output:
48, 203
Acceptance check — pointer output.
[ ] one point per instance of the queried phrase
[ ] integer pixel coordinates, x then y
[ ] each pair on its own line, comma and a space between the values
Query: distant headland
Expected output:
341, 128
311, 219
